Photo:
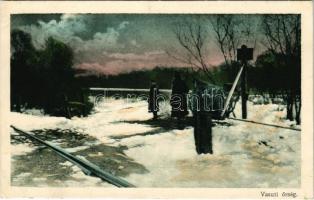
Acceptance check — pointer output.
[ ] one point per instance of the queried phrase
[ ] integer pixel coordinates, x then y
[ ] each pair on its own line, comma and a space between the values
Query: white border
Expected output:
206, 7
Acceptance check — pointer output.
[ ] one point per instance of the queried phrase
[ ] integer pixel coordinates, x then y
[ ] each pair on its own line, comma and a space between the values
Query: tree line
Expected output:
42, 78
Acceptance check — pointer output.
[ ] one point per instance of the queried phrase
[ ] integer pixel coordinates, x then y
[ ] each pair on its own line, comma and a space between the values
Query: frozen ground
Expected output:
121, 138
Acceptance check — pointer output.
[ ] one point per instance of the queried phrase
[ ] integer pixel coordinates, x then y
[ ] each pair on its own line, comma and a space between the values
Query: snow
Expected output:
32, 122
75, 149
107, 120
163, 152
21, 149
266, 113
33, 111
245, 154
237, 161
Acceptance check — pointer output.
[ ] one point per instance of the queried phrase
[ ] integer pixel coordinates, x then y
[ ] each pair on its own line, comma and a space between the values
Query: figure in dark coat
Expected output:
153, 106
178, 99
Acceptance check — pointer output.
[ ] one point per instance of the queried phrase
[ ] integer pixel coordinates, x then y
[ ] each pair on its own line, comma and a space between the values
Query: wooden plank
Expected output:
231, 92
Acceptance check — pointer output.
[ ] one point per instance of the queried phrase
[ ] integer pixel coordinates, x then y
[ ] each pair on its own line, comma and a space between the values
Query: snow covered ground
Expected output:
245, 154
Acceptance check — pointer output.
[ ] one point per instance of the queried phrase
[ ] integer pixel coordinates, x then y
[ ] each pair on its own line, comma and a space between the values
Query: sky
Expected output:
110, 44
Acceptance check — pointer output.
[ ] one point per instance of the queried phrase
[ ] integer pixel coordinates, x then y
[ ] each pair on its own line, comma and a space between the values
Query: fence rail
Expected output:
265, 124
126, 90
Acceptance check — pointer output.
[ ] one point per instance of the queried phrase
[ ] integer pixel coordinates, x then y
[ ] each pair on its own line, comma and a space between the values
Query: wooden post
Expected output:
244, 54
243, 91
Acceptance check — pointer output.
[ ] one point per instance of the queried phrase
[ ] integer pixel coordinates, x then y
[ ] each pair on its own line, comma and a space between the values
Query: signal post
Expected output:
244, 54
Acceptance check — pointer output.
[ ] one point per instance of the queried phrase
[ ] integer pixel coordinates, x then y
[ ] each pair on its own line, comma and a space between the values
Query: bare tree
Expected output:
230, 32
283, 38
224, 28
191, 36
283, 34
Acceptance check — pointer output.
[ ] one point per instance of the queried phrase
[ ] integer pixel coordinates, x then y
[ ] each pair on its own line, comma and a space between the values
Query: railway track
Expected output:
87, 167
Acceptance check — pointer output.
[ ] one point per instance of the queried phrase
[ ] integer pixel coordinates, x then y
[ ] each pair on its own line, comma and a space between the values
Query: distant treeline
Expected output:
138, 79
265, 76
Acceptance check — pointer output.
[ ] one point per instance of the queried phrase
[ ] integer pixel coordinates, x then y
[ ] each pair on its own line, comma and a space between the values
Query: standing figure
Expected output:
178, 101
202, 120
153, 106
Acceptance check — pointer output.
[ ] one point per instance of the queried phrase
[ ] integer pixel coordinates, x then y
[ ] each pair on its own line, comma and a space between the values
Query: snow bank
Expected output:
31, 122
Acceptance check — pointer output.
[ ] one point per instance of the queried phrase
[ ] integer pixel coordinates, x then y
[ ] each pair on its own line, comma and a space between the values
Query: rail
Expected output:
86, 166
265, 124
126, 90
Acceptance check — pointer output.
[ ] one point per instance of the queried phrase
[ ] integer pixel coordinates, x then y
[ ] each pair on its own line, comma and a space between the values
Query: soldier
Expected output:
178, 99
153, 106
202, 120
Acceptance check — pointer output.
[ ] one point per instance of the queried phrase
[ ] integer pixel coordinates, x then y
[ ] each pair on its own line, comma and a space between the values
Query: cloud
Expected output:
123, 25
68, 29
63, 30
102, 41
111, 45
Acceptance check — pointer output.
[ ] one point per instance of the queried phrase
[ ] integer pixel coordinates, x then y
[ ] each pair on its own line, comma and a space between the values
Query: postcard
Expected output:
206, 99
